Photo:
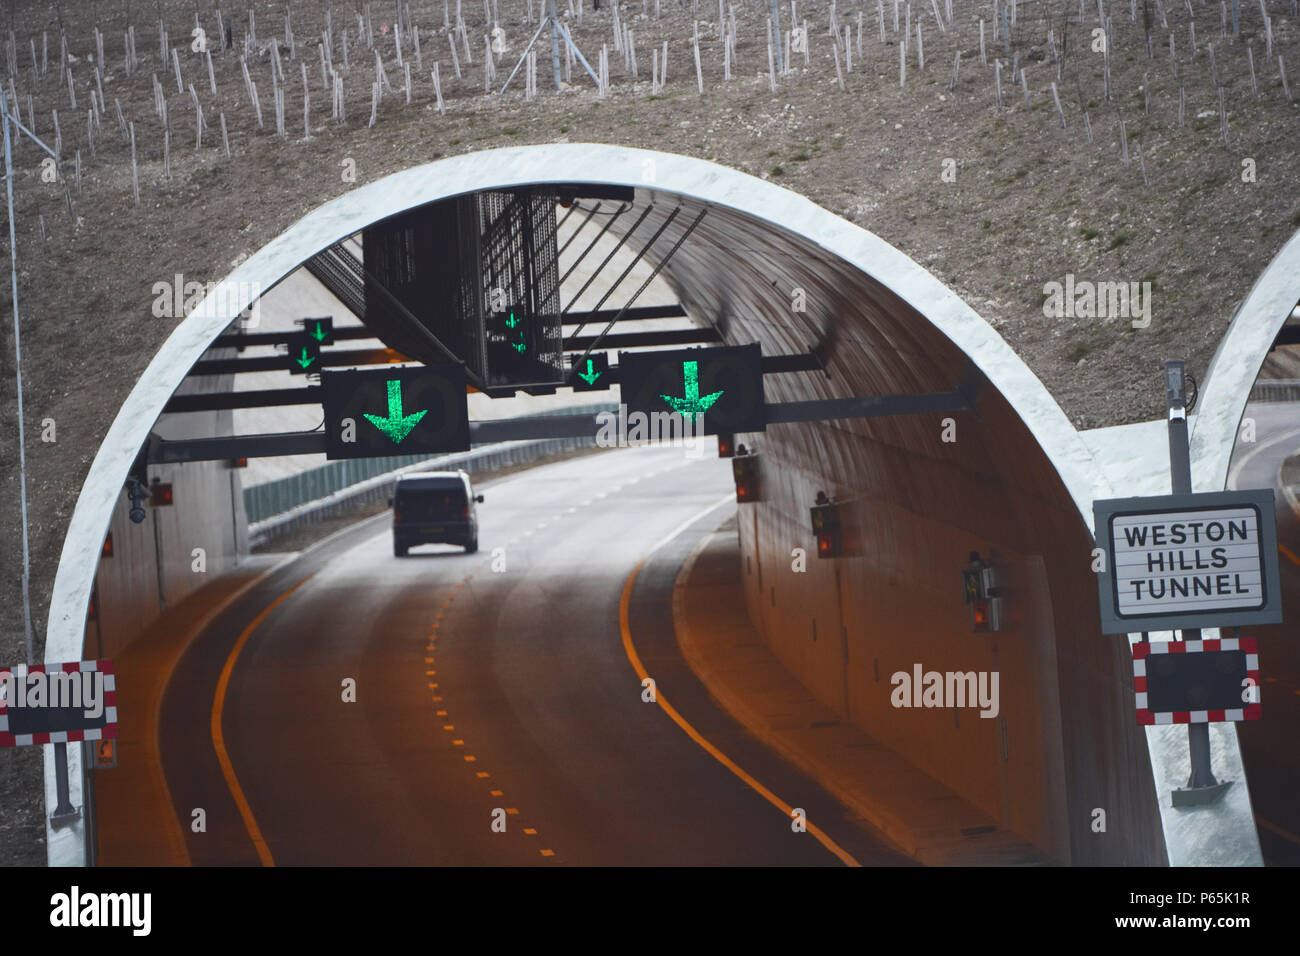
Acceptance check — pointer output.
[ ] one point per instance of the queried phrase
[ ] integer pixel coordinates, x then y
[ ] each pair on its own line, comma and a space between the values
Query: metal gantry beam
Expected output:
239, 340
311, 394
562, 426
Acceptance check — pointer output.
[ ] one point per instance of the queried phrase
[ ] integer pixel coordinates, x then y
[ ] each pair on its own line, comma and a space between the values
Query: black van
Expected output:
434, 507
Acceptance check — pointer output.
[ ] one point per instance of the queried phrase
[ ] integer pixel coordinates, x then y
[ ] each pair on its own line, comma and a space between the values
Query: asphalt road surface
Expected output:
1269, 745
485, 697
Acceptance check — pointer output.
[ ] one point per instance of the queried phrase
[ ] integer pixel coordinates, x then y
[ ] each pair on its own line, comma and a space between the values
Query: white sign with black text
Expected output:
1201, 560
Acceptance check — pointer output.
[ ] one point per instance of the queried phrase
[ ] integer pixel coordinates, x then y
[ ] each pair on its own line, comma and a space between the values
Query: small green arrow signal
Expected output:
396, 426
692, 403
519, 346
306, 359
320, 334
512, 321
589, 376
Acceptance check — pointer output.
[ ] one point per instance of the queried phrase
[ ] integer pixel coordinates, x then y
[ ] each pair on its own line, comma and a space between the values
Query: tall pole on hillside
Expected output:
555, 45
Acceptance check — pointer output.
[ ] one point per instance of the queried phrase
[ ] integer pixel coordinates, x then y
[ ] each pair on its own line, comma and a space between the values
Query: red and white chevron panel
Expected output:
1142, 650
20, 672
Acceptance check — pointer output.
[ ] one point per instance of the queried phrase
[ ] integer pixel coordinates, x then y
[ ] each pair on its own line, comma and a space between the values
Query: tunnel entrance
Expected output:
882, 393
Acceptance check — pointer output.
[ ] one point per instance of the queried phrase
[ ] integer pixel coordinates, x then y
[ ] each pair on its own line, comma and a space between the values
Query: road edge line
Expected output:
176, 836
634, 658
218, 738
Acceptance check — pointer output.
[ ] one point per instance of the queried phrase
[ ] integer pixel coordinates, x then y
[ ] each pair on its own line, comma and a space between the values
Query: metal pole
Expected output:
776, 36
18, 376
63, 808
1180, 475
555, 43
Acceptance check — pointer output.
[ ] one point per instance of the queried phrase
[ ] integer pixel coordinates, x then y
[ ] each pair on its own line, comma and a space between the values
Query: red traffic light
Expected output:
981, 621
827, 544
745, 471
825, 515
726, 446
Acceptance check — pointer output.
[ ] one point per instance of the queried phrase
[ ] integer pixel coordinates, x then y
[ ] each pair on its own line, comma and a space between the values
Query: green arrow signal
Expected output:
396, 426
320, 334
693, 403
512, 321
519, 346
306, 359
589, 376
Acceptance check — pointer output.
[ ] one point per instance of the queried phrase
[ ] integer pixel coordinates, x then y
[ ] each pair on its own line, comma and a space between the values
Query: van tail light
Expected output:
465, 512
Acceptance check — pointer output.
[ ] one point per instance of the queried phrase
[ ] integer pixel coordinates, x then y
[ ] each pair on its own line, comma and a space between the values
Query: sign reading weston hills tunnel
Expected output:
1201, 560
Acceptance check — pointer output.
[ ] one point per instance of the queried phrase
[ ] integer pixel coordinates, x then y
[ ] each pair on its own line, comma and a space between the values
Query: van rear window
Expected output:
432, 503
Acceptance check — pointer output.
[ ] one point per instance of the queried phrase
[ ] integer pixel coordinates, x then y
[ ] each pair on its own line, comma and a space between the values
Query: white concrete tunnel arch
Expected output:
699, 180
1236, 364
508, 168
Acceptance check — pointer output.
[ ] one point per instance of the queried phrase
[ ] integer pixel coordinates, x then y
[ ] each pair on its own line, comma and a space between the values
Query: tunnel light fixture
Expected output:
138, 493
744, 468
826, 526
981, 592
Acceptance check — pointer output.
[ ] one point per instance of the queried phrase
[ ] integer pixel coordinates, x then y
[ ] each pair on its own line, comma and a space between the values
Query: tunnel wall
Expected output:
910, 522
915, 505
153, 563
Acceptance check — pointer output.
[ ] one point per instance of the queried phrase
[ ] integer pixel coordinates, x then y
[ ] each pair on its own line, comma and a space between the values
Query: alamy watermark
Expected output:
63, 690
947, 689
625, 429
175, 298
1084, 299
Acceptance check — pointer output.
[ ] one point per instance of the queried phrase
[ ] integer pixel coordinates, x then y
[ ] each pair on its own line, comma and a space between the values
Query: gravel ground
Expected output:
1031, 202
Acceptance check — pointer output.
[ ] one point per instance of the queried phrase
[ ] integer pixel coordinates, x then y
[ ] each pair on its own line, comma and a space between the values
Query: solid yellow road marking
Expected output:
218, 739
678, 719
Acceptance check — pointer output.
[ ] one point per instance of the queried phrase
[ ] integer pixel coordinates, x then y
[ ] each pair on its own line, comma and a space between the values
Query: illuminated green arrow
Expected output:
693, 403
512, 321
396, 426
306, 359
519, 346
320, 334
589, 376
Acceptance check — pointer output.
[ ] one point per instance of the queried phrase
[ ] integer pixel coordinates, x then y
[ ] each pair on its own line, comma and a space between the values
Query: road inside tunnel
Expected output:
479, 690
